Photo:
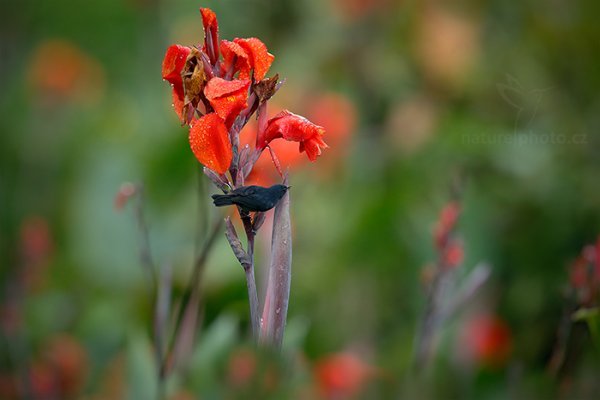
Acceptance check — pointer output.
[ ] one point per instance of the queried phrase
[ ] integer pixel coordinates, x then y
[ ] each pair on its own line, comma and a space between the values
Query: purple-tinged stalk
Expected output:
443, 300
280, 274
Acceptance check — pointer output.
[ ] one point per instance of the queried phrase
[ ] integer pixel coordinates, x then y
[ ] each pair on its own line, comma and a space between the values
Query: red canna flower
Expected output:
203, 83
210, 144
294, 128
227, 98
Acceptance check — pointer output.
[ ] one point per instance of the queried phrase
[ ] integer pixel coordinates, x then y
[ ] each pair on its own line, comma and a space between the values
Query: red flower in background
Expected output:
242, 367
60, 70
597, 269
486, 340
453, 254
446, 223
342, 375
584, 274
336, 113
37, 246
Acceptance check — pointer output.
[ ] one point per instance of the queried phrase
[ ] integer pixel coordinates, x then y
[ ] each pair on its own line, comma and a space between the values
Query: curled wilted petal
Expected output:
173, 63
227, 98
194, 79
260, 59
266, 88
210, 144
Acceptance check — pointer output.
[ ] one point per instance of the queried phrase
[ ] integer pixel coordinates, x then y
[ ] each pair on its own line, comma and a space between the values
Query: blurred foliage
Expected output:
502, 96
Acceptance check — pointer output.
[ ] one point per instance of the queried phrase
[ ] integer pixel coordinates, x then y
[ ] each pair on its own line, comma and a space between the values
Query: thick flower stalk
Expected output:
216, 88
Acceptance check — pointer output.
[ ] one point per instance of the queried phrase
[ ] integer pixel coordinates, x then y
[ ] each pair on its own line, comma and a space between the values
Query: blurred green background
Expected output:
502, 96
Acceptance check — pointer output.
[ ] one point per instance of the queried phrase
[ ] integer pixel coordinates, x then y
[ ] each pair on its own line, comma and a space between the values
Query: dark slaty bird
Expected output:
252, 198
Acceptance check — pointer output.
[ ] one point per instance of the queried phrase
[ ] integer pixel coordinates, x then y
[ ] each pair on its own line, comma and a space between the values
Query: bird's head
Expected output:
279, 190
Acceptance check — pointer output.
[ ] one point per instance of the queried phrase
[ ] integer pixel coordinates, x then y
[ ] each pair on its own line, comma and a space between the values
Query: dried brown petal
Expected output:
266, 88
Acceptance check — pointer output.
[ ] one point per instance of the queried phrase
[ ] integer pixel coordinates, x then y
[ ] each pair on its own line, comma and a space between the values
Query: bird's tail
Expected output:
221, 200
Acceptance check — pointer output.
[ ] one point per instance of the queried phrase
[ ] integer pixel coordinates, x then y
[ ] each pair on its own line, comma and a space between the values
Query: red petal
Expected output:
227, 98
260, 58
210, 144
233, 52
178, 101
174, 62
209, 18
211, 34
312, 149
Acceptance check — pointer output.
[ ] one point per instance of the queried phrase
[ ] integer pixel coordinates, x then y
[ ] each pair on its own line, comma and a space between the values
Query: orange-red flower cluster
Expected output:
218, 87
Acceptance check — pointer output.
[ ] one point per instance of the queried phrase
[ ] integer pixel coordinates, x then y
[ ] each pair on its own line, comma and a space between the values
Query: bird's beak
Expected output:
288, 187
